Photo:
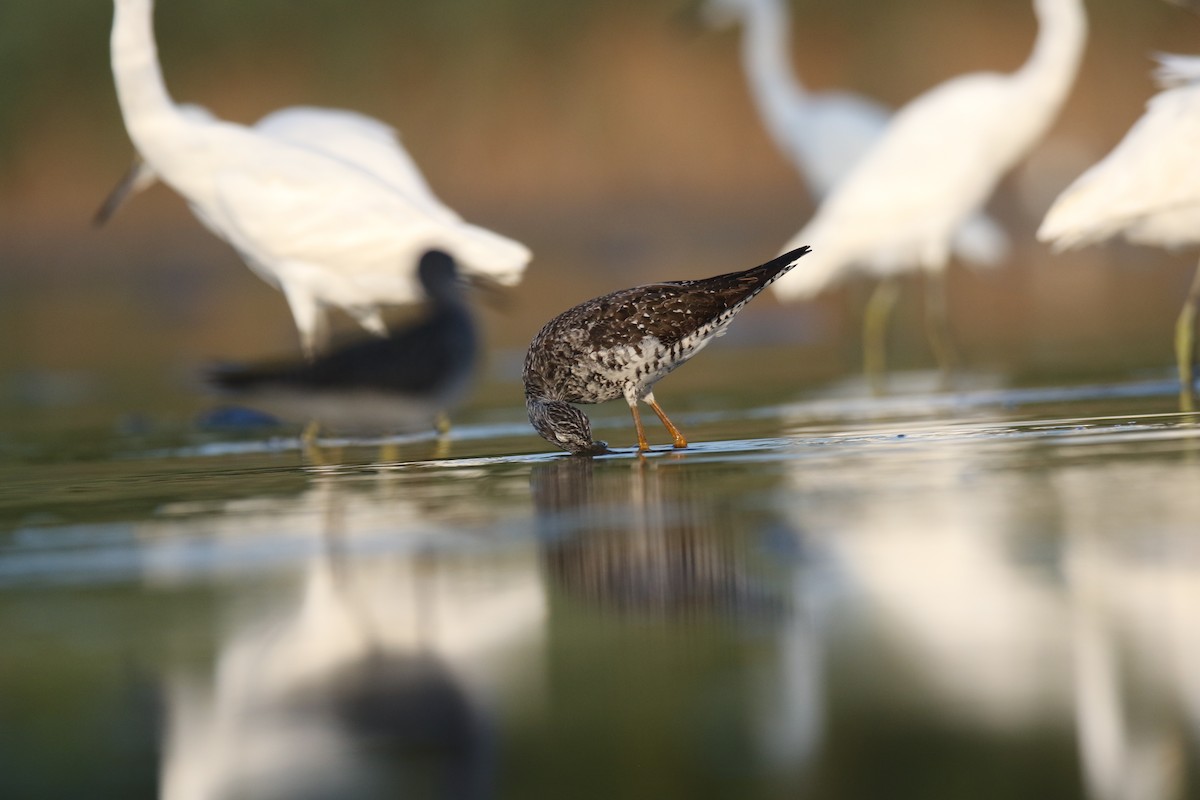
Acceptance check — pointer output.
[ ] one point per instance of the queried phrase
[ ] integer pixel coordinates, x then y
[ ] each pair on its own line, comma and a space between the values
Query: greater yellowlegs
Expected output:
621, 344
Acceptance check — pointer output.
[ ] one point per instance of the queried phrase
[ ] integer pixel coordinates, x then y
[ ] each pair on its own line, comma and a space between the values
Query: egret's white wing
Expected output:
357, 139
1153, 171
352, 236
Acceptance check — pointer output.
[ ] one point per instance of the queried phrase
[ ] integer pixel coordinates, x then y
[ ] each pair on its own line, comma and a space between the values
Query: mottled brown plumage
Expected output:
621, 344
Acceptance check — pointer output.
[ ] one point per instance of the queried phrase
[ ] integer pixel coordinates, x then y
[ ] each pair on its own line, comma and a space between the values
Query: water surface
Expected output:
989, 593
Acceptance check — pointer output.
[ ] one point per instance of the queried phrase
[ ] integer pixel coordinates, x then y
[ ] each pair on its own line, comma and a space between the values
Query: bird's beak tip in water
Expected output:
596, 449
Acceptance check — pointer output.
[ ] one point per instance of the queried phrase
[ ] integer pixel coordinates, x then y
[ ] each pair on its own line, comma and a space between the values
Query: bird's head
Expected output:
563, 425
438, 274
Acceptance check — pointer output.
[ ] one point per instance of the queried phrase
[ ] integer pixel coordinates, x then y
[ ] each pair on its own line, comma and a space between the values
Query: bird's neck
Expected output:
145, 102
766, 56
1062, 32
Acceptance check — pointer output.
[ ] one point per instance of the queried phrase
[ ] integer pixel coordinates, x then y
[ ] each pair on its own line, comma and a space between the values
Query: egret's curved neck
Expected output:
1062, 32
140, 89
766, 55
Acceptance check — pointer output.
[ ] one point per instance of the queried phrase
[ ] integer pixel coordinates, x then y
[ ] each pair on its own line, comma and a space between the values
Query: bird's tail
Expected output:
777, 267
814, 278
738, 288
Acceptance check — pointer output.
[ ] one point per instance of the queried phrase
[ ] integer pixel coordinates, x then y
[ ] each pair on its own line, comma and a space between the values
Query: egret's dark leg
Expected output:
676, 435
1185, 345
637, 423
875, 323
937, 326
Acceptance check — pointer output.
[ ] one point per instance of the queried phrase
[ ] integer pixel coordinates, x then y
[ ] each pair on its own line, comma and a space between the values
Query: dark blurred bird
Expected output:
621, 344
402, 382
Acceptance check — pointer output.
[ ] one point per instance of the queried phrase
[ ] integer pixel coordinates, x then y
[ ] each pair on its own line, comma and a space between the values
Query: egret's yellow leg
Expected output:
937, 326
637, 423
1185, 345
875, 323
308, 442
442, 423
678, 437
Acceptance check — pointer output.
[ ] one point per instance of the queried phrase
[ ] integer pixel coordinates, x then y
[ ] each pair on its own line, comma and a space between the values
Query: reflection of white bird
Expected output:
1148, 190
823, 134
937, 163
324, 205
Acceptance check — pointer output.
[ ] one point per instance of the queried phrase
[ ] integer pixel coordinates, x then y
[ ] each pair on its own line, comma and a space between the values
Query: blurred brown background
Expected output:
616, 139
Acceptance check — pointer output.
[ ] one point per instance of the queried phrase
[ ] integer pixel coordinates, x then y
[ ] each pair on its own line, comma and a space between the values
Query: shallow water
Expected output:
988, 593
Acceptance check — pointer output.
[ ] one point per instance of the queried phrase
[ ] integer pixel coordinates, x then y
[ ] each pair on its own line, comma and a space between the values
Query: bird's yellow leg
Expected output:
308, 442
676, 435
937, 326
441, 423
875, 322
1185, 346
637, 423
389, 452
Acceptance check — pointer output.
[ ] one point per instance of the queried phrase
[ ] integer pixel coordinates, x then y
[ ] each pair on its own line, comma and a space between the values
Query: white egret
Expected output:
901, 204
323, 204
823, 134
1147, 190
347, 135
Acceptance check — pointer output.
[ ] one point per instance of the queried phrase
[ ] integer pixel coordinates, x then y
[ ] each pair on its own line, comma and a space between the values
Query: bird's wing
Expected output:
981, 242
916, 174
357, 139
831, 132
417, 360
1154, 170
300, 208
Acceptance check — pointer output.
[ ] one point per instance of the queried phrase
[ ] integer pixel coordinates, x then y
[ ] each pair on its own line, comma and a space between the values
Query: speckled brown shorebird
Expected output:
621, 344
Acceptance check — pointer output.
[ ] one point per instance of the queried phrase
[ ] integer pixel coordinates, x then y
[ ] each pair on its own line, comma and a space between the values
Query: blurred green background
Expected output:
616, 139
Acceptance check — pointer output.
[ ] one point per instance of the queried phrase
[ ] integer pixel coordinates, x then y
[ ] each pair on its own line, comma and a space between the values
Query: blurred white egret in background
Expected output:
1147, 190
823, 134
347, 135
899, 207
323, 204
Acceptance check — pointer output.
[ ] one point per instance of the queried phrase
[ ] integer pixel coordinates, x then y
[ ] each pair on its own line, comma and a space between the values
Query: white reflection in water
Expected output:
1133, 565
1016, 595
382, 676
927, 548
